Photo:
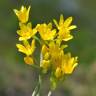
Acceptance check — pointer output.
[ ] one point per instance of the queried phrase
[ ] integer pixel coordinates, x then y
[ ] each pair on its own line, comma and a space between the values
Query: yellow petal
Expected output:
23, 8
64, 46
28, 11
50, 25
29, 25
51, 35
22, 26
72, 27
58, 72
44, 49
16, 12
68, 22
21, 48
61, 20
19, 32
67, 38
33, 46
46, 56
34, 31
21, 38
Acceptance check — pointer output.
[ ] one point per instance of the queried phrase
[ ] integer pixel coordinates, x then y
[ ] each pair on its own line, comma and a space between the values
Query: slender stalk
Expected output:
36, 38
36, 66
36, 91
49, 93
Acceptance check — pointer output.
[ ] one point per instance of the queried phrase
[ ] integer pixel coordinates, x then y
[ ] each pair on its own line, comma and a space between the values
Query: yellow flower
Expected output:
22, 14
46, 31
64, 28
26, 31
64, 64
69, 63
28, 60
28, 50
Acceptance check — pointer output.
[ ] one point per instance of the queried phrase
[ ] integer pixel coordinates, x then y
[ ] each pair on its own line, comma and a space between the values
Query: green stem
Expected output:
36, 38
49, 93
35, 66
36, 91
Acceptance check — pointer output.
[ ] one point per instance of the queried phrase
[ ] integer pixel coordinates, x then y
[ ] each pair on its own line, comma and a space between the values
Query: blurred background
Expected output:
19, 79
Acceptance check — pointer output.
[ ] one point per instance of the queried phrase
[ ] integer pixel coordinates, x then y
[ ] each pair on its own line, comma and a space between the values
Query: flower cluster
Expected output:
54, 59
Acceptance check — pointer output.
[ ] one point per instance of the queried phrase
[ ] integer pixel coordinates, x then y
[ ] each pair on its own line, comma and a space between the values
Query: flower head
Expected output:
64, 28
46, 31
27, 49
26, 31
22, 14
69, 63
